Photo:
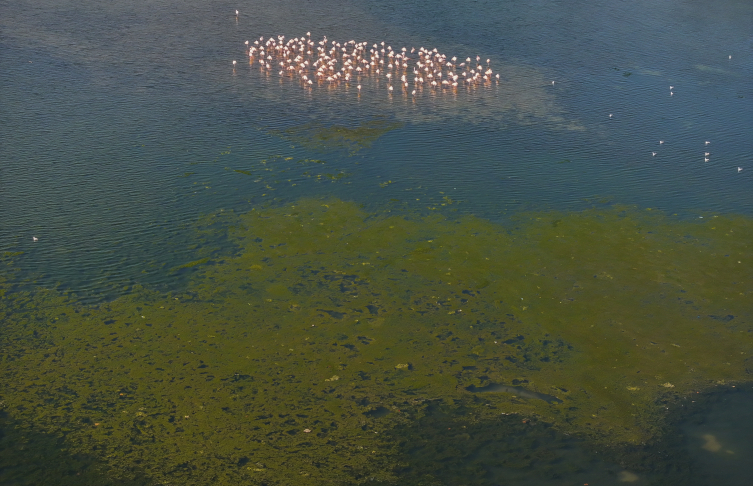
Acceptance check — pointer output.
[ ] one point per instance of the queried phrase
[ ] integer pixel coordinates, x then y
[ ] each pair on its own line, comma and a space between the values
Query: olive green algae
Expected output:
317, 136
297, 359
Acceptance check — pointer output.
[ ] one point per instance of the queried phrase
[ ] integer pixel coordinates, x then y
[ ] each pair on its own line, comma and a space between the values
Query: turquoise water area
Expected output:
210, 274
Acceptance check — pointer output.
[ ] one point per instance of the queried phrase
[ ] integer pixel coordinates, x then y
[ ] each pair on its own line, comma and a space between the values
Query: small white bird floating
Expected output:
34, 238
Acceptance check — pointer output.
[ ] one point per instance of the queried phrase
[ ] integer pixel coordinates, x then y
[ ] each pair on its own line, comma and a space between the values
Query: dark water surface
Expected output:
153, 172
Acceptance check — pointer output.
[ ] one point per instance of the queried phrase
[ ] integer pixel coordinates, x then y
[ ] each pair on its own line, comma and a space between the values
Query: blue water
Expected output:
106, 106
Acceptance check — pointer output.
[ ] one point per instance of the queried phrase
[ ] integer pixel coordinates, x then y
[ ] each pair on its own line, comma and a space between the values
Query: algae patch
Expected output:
316, 136
191, 264
513, 390
331, 331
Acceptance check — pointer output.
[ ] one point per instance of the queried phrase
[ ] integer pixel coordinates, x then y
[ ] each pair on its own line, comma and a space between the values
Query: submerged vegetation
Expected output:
316, 136
333, 343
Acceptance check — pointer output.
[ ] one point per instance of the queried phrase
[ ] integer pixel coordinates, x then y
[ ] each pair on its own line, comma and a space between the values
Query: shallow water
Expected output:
718, 439
121, 120
148, 168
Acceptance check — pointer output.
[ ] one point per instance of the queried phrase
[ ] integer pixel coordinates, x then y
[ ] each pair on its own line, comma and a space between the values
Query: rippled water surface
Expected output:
107, 108
132, 150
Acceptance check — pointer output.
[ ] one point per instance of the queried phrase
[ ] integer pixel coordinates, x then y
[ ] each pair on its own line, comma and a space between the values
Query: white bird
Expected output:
661, 142
610, 115
359, 87
414, 92
707, 142
706, 159
739, 169
671, 88
233, 63
653, 153
236, 13
34, 238
731, 58
706, 154
552, 83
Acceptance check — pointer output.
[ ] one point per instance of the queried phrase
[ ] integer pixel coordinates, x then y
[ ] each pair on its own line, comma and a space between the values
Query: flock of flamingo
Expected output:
331, 63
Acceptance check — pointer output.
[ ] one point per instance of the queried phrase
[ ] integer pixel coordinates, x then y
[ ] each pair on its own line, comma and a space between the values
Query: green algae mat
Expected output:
316, 136
325, 348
